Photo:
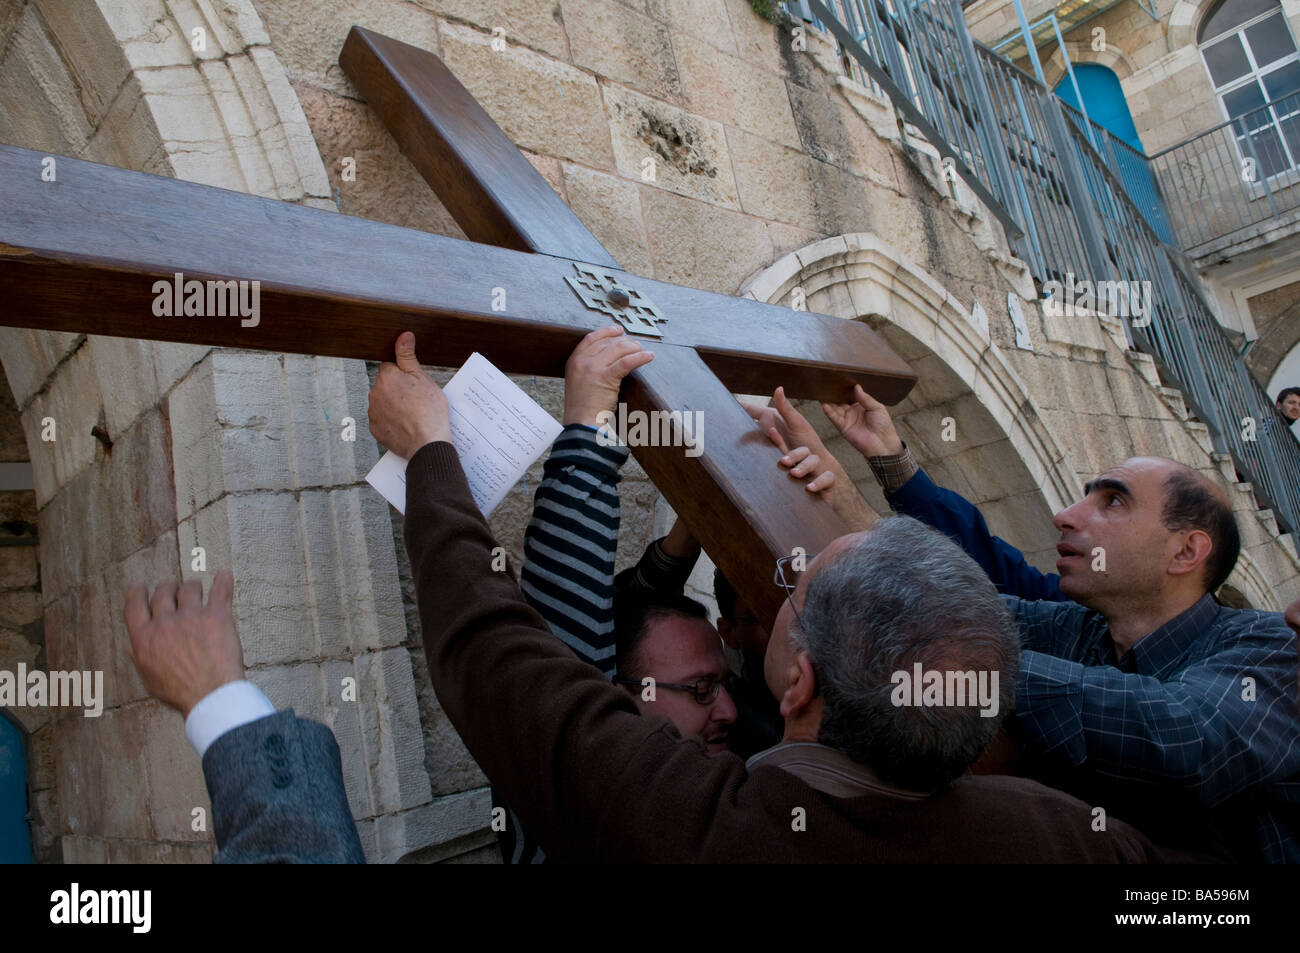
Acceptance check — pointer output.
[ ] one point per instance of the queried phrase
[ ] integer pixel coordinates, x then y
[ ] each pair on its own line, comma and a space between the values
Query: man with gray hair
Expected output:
596, 779
916, 701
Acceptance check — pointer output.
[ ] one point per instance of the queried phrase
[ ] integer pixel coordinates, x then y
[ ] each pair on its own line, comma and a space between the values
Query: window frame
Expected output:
1256, 75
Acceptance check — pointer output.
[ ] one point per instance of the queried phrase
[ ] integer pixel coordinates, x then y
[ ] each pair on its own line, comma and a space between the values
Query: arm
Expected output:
665, 565
866, 425
1202, 730
276, 781
572, 537
277, 795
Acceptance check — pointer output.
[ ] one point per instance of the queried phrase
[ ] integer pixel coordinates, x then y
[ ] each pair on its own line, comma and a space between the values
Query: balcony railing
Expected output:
1074, 200
1236, 182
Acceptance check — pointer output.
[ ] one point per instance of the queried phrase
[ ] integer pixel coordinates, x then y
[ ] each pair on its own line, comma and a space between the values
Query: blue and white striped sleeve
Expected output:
571, 541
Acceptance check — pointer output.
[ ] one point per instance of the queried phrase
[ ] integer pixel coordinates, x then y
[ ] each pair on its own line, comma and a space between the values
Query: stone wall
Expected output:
764, 158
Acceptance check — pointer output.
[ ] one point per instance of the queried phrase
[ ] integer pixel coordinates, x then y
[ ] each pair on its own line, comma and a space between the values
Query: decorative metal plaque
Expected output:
602, 291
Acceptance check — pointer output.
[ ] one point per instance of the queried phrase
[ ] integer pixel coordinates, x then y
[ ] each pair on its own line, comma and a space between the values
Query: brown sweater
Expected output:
594, 780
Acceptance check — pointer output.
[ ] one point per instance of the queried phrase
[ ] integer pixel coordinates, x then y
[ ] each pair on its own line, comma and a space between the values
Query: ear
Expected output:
1191, 555
800, 686
727, 630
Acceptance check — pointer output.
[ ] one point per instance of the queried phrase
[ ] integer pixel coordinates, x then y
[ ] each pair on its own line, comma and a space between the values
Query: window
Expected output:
1255, 69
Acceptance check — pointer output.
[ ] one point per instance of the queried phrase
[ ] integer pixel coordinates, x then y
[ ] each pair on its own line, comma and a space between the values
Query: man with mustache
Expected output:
1137, 690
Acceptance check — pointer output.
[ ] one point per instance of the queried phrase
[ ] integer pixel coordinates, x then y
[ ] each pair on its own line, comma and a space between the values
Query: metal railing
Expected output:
1077, 204
1236, 181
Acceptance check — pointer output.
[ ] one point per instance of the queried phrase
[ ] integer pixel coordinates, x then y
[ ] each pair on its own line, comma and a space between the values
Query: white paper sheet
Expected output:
498, 432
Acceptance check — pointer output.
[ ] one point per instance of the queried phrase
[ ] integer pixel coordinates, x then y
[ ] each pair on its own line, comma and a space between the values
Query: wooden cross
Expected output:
83, 254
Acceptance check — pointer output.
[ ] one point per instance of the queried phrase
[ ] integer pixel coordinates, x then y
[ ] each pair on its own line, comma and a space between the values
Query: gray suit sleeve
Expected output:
276, 786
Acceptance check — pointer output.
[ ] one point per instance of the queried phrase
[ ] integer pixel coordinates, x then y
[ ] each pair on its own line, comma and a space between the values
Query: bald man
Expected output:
1137, 691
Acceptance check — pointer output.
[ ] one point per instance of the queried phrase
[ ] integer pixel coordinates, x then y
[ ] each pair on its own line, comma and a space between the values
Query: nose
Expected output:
724, 708
1068, 518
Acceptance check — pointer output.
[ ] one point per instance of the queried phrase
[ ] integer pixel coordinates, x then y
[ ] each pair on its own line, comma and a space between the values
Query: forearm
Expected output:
276, 787
1197, 734
912, 493
571, 542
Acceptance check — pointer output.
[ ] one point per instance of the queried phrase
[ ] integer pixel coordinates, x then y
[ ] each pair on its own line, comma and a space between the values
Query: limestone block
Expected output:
700, 245
78, 849
87, 44
613, 40
152, 564
127, 137
391, 729
526, 22
140, 487
439, 822
73, 401
832, 131
387, 188
148, 35
1149, 438
448, 764
775, 182
705, 19
44, 111
736, 92
176, 785
756, 39
611, 208
687, 153
309, 37
1023, 520
542, 105
18, 567
75, 534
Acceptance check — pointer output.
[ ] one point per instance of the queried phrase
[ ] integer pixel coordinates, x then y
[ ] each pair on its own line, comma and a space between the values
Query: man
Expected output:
1288, 404
275, 780
597, 780
1137, 690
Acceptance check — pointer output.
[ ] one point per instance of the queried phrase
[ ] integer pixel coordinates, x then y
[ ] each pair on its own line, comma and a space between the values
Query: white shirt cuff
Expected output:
222, 710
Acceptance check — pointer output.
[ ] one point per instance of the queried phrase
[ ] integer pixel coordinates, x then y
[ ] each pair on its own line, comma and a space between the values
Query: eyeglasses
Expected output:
704, 689
782, 564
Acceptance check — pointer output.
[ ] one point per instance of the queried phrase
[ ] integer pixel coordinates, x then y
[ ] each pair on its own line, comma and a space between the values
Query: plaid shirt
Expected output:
1204, 703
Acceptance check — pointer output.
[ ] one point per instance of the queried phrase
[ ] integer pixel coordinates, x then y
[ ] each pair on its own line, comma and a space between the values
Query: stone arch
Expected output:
199, 447
1112, 57
1004, 457
1185, 16
1250, 581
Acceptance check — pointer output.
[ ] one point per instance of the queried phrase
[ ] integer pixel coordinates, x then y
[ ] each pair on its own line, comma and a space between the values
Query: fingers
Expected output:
865, 400
838, 414
190, 596
136, 611
753, 410
223, 590
795, 456
406, 353
793, 419
821, 483
774, 435
164, 600
629, 362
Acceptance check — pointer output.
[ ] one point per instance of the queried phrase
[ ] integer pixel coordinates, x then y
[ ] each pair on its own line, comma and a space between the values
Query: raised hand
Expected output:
595, 370
184, 649
810, 460
407, 407
866, 425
